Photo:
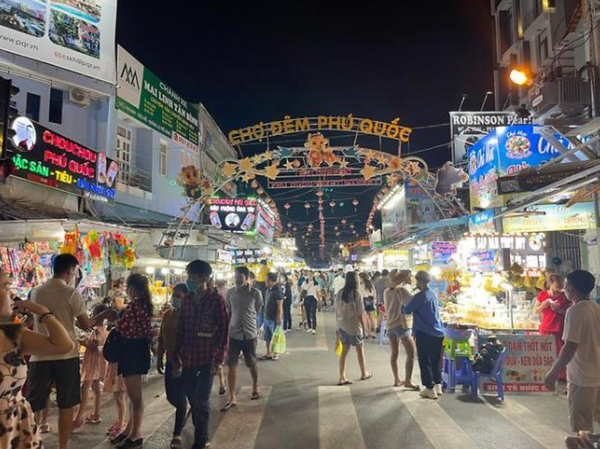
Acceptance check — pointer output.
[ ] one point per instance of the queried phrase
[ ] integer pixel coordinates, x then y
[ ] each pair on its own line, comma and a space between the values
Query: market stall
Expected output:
105, 253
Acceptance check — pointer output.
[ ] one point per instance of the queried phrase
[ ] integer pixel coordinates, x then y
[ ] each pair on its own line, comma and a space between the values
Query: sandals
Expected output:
222, 391
92, 419
368, 376
255, 396
411, 387
45, 428
118, 439
345, 382
130, 444
228, 405
265, 357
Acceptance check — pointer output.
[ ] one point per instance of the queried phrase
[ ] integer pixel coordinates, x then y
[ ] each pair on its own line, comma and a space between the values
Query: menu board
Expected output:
46, 157
527, 360
237, 215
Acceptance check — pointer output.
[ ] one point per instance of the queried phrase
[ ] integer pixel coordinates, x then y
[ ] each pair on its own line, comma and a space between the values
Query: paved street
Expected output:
302, 407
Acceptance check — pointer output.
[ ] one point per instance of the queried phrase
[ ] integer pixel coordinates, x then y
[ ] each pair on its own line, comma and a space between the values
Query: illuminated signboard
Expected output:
500, 251
237, 215
442, 253
45, 157
265, 225
246, 256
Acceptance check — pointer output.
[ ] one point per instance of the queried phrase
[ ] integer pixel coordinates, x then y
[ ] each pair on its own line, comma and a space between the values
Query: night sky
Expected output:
260, 62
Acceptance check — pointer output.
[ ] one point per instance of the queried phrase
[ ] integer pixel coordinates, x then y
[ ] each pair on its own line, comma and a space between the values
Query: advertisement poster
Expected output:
528, 358
146, 98
420, 208
393, 216
45, 157
265, 225
552, 217
468, 127
442, 253
483, 174
76, 35
237, 215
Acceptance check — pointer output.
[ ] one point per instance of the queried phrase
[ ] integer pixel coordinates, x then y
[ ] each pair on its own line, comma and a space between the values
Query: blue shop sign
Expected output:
504, 152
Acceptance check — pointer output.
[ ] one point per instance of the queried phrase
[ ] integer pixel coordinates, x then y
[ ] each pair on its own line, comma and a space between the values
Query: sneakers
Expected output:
427, 393
314, 331
309, 331
438, 389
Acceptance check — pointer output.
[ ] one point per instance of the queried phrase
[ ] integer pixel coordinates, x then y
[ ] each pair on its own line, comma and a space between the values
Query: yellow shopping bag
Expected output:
338, 346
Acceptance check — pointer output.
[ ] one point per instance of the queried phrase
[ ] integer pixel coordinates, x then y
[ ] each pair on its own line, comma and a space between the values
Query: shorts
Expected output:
584, 407
369, 304
398, 332
246, 347
347, 339
268, 329
134, 357
63, 373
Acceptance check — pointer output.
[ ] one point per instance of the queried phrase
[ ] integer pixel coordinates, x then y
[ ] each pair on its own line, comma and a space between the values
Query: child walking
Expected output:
93, 369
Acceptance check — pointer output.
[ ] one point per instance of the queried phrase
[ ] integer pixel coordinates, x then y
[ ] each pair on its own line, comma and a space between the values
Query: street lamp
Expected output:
520, 77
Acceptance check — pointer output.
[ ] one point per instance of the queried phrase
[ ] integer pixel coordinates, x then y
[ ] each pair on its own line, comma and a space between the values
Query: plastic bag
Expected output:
278, 341
338, 347
382, 333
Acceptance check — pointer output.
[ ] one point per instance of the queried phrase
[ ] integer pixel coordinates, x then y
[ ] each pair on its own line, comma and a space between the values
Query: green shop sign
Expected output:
145, 97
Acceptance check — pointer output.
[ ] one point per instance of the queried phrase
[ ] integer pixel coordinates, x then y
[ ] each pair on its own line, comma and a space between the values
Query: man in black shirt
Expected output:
273, 313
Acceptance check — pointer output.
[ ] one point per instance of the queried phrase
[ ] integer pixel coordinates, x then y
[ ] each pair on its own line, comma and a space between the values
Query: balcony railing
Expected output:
136, 177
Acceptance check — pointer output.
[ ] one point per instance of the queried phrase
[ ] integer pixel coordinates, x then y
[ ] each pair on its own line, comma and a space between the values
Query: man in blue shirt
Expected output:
428, 331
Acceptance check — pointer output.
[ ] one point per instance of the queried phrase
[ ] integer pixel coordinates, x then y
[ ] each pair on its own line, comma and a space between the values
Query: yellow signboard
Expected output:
347, 123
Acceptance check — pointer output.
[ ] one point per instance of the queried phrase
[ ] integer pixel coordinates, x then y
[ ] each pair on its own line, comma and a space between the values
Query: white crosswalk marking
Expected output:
155, 416
239, 428
431, 418
338, 422
530, 423
321, 335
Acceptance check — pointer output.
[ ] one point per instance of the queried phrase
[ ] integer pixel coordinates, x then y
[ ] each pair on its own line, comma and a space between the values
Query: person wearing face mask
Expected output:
66, 303
201, 344
166, 345
243, 304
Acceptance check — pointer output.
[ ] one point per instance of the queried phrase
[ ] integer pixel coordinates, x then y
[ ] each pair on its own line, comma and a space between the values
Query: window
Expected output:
56, 106
542, 48
123, 153
32, 109
162, 158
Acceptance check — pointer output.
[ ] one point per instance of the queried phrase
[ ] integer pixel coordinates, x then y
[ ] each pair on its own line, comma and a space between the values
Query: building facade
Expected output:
555, 42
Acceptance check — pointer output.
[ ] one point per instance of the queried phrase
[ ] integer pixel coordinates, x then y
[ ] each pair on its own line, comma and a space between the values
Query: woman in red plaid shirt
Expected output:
201, 344
134, 325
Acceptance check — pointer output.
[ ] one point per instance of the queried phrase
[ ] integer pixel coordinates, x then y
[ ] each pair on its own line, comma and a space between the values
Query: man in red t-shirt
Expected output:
552, 304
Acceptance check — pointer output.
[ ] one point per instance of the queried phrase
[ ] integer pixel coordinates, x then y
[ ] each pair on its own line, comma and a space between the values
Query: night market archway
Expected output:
314, 165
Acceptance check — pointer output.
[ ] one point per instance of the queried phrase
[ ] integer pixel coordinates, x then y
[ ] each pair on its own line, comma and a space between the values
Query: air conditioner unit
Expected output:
79, 97
568, 96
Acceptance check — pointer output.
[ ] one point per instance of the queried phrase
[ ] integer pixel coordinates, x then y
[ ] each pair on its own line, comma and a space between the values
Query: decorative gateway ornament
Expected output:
195, 185
319, 151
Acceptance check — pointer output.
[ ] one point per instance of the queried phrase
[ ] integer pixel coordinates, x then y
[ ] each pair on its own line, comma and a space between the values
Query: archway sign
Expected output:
315, 164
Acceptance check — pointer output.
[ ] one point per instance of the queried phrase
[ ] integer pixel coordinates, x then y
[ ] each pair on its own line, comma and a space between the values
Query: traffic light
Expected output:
7, 114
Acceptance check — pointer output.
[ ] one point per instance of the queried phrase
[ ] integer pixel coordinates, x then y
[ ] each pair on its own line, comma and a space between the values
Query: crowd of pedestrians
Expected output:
207, 326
